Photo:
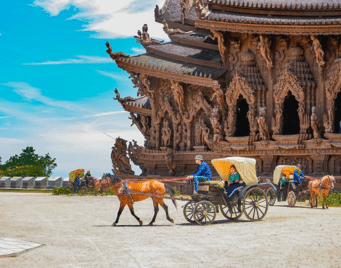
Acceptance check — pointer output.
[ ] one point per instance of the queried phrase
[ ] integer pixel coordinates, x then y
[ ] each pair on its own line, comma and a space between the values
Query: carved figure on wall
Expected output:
113, 55
145, 125
178, 137
166, 133
219, 96
315, 125
169, 157
230, 126
221, 45
201, 132
134, 151
178, 92
119, 157
201, 8
263, 128
319, 53
327, 126
144, 38
276, 123
251, 115
217, 127
264, 47
170, 31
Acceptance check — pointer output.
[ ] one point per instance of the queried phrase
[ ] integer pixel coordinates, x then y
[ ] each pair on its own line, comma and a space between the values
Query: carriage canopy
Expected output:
285, 169
73, 174
246, 167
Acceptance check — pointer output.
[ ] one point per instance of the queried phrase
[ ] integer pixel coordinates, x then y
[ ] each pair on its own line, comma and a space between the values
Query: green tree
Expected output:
29, 164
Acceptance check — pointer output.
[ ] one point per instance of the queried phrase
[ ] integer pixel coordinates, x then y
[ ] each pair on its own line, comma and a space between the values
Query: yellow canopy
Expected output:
73, 174
287, 170
246, 167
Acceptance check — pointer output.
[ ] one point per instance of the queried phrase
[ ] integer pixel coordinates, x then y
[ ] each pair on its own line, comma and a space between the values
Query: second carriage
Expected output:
215, 196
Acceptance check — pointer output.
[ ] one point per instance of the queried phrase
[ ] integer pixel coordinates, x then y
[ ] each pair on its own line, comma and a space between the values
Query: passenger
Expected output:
282, 181
298, 174
234, 177
76, 184
203, 172
87, 177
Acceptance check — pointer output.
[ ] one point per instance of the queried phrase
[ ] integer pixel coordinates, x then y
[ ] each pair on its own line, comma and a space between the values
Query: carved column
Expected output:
157, 139
269, 163
320, 164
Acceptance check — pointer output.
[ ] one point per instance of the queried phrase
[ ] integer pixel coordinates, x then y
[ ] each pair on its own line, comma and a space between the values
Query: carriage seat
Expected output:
205, 186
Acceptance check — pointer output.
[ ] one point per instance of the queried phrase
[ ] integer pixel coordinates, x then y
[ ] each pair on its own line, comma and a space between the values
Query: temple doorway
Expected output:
242, 125
337, 117
291, 120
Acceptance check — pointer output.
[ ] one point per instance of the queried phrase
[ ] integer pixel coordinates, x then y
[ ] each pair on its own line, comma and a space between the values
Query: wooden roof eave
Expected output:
184, 78
286, 29
137, 110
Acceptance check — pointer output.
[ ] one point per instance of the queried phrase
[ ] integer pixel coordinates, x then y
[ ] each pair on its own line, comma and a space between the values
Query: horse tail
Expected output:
172, 194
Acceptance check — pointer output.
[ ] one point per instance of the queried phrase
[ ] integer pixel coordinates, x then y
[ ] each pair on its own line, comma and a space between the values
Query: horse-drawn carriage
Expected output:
309, 189
79, 185
213, 196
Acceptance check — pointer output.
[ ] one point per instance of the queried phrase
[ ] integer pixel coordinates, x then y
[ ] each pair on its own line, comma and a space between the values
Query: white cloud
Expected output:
108, 18
114, 76
31, 93
79, 141
138, 50
79, 60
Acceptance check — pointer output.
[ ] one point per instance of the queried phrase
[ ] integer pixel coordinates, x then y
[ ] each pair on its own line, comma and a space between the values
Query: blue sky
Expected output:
57, 81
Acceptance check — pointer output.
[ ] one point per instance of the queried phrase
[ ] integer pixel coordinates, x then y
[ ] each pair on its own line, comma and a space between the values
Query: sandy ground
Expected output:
76, 232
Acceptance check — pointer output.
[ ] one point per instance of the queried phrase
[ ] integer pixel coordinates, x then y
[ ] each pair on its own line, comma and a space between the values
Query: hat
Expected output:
199, 157
298, 165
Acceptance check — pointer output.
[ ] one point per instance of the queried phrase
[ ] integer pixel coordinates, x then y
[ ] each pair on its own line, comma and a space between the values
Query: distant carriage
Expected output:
250, 199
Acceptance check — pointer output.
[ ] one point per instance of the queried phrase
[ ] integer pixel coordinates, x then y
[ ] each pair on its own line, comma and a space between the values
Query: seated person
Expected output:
282, 181
203, 173
234, 182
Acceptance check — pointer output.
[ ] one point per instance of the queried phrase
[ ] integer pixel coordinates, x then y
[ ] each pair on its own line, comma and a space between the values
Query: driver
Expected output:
298, 174
87, 177
203, 172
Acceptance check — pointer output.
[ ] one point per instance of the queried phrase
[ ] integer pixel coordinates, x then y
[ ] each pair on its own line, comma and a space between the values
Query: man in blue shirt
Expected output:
203, 173
298, 173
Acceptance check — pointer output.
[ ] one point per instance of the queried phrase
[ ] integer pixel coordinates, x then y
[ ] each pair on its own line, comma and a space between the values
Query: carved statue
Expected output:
166, 133
229, 126
326, 123
178, 136
113, 55
219, 95
178, 92
217, 127
263, 128
185, 8
251, 115
119, 157
145, 125
221, 46
201, 132
201, 8
169, 157
264, 47
144, 37
319, 53
276, 123
173, 31
314, 122
234, 50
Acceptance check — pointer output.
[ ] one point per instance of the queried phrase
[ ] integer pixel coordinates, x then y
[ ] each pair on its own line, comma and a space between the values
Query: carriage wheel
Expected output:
233, 214
83, 190
271, 194
188, 211
255, 204
291, 198
204, 212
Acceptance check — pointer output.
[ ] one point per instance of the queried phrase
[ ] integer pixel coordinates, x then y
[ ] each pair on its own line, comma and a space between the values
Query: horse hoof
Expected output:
114, 224
141, 222
171, 220
150, 224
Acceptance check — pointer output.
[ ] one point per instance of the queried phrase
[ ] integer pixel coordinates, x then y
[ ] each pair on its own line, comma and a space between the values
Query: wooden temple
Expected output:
251, 78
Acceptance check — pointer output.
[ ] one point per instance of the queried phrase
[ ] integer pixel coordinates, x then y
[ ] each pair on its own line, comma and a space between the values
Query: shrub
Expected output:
333, 199
61, 190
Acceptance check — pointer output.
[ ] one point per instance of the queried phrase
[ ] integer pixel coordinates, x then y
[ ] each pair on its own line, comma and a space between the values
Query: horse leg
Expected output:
130, 205
165, 207
156, 210
122, 205
311, 198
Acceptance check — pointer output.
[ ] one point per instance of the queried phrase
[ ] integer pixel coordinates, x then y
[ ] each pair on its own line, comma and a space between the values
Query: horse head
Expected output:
107, 181
331, 180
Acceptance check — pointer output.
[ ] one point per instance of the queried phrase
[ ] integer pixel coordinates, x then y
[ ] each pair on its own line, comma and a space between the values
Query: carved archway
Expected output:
291, 121
333, 87
240, 87
289, 82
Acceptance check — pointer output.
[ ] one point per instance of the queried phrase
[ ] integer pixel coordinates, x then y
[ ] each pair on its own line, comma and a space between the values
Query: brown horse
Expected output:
94, 184
151, 187
320, 186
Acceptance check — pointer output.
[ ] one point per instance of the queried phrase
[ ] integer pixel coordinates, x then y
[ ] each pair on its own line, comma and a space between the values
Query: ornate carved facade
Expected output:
234, 81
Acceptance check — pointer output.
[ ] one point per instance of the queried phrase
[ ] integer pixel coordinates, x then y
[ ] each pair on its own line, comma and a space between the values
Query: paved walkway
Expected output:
11, 247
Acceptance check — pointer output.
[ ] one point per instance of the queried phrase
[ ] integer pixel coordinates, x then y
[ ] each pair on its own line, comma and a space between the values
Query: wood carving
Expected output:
319, 53
221, 45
